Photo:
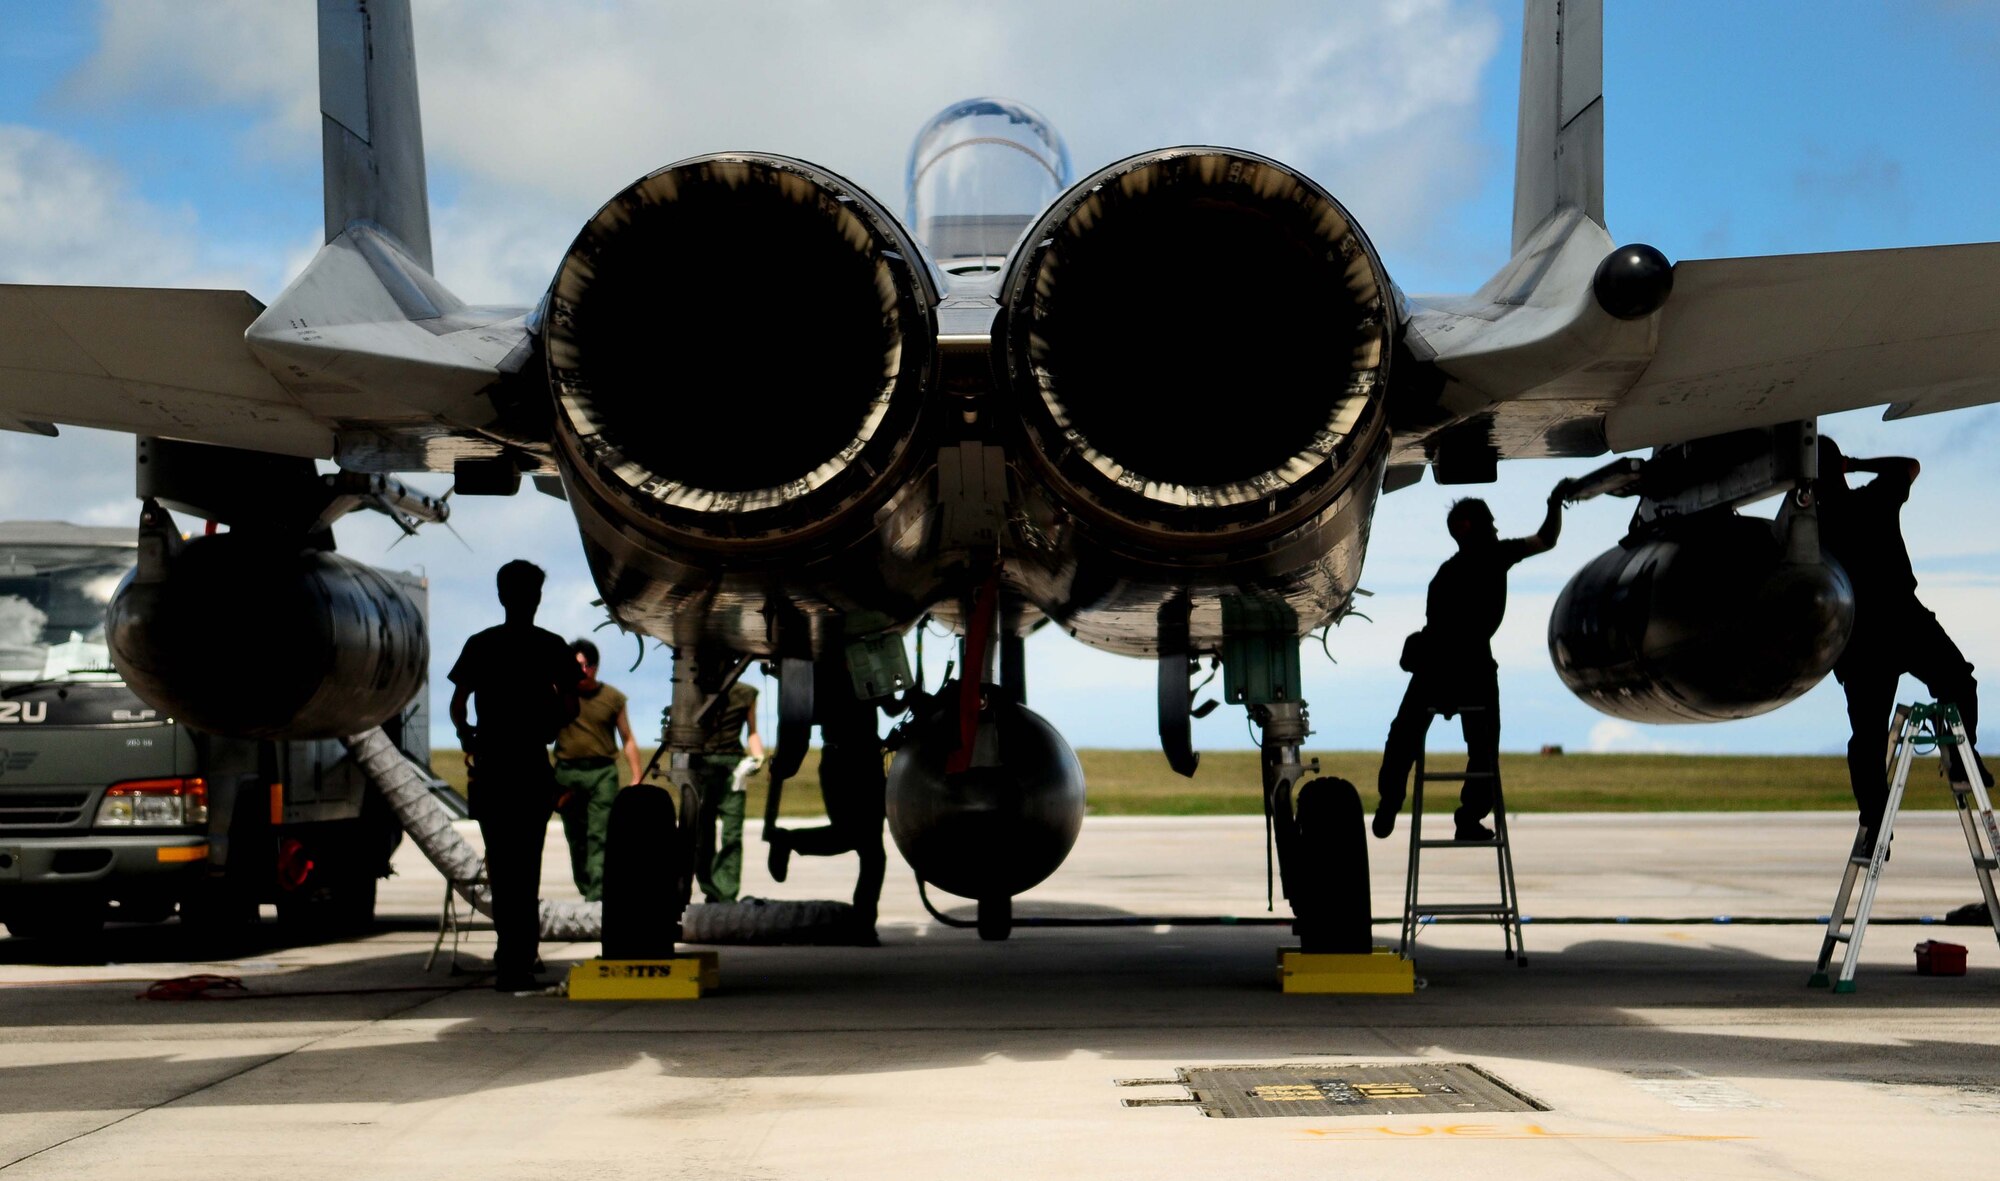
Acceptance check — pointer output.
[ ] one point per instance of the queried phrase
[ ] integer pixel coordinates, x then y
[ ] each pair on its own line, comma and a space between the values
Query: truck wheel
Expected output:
326, 881
354, 906
217, 910
338, 906
59, 921
150, 910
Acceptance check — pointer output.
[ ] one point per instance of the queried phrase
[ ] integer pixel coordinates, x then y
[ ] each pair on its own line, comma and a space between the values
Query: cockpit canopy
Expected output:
980, 171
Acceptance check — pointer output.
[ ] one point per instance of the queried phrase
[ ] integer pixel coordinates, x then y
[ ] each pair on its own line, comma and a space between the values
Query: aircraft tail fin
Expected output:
1559, 150
371, 135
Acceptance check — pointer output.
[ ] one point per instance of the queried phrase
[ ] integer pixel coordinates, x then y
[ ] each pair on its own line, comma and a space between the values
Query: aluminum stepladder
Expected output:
1913, 726
1508, 909
450, 923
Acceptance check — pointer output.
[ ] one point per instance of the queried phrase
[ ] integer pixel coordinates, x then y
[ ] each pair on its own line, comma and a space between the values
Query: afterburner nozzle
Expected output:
738, 344
1198, 340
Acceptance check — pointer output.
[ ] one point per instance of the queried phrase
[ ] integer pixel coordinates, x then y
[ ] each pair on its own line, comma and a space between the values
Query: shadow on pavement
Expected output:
942, 999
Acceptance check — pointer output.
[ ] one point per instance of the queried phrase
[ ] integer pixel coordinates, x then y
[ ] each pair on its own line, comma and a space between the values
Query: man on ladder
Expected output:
1942, 724
1451, 665
1861, 528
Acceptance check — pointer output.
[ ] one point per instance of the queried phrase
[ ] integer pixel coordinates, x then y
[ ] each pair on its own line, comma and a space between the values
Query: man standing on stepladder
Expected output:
1451, 665
1861, 528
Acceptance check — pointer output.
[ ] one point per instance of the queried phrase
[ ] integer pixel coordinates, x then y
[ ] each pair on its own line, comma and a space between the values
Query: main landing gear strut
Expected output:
1315, 825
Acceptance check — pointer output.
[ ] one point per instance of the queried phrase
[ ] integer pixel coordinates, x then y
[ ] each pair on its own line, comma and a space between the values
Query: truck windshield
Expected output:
52, 602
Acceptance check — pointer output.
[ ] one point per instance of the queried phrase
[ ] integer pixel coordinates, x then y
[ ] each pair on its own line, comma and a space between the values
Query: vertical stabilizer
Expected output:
1559, 153
371, 135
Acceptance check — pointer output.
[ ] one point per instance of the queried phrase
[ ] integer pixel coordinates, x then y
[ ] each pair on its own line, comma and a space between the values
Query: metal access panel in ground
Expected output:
1334, 1089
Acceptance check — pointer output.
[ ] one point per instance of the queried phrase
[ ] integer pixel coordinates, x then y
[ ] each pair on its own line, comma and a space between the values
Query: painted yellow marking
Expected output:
1387, 1091
1287, 1094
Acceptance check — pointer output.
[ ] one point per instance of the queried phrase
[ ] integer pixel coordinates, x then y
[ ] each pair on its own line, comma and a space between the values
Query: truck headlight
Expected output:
155, 803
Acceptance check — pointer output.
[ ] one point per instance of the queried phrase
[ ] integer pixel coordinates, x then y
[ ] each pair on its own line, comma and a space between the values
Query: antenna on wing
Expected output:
1559, 149
371, 134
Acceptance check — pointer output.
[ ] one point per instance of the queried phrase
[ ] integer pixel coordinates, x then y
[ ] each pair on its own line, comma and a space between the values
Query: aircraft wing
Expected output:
364, 358
1756, 341
150, 361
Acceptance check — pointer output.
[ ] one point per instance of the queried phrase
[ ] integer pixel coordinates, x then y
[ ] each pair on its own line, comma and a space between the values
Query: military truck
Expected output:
111, 811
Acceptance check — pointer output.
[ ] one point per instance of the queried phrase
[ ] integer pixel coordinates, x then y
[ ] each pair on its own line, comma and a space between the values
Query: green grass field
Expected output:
1137, 783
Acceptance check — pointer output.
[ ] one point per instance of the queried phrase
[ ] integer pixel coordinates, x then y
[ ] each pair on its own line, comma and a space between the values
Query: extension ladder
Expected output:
1936, 723
1508, 909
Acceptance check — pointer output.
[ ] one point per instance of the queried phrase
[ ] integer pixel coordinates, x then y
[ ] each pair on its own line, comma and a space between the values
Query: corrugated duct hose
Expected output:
407, 788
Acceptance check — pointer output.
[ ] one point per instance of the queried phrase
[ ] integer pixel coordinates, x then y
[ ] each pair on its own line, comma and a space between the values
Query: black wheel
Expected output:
140, 910
342, 906
645, 859
1330, 894
996, 918
216, 917
220, 908
57, 920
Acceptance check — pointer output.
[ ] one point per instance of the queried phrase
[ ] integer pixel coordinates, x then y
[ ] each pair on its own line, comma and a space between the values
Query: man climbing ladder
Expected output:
1938, 724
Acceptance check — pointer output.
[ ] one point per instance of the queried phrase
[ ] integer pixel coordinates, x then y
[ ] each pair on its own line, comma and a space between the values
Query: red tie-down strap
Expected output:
203, 987
978, 634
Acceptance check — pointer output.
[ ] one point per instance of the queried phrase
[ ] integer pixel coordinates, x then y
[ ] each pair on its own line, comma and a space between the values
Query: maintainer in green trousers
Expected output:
586, 788
723, 880
587, 778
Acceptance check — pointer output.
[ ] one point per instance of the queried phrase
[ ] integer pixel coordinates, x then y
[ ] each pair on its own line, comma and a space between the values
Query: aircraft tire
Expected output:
1330, 886
644, 860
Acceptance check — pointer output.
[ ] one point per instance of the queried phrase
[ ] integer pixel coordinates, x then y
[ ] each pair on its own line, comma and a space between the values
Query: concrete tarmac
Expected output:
1684, 1050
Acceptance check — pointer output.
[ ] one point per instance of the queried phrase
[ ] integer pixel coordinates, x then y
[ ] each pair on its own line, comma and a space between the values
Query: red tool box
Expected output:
1940, 959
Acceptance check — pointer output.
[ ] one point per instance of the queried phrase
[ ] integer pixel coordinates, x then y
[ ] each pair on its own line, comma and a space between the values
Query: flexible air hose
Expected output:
407, 788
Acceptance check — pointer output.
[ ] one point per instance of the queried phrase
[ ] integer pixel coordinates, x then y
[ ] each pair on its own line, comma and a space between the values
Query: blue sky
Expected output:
177, 145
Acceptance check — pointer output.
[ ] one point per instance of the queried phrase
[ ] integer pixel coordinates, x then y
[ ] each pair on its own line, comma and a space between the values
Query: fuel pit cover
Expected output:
1338, 1088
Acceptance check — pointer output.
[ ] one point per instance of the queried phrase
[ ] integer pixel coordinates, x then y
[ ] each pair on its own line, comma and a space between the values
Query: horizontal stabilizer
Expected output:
1749, 342
149, 361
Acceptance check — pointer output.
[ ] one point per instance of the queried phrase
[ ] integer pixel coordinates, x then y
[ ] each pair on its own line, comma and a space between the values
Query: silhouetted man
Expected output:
521, 682
587, 778
1451, 661
854, 787
1861, 528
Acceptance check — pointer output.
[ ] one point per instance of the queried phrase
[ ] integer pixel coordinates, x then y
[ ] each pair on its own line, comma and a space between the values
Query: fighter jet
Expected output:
1154, 406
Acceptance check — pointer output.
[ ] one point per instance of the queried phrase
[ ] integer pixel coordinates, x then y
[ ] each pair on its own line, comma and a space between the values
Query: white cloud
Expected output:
219, 52
543, 112
69, 216
73, 478
1612, 736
